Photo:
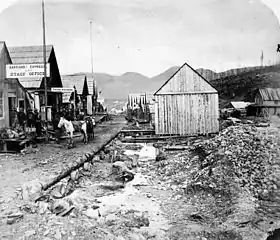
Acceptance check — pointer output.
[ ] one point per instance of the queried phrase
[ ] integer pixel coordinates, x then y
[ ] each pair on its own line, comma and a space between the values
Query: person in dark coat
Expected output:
56, 129
22, 119
30, 118
37, 120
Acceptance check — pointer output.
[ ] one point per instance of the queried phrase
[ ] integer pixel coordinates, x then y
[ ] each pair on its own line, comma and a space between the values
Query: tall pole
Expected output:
45, 64
94, 83
74, 102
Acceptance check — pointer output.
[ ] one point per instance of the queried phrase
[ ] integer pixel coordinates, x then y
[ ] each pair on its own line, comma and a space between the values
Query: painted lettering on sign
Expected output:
26, 70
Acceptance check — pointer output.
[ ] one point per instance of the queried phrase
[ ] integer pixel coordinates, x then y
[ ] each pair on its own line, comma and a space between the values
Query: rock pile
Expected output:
240, 156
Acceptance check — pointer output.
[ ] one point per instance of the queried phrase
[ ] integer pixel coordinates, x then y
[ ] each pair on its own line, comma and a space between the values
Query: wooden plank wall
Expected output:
135, 98
186, 80
187, 114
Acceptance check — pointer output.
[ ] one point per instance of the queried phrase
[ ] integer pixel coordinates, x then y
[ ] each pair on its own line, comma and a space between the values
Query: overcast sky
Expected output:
147, 36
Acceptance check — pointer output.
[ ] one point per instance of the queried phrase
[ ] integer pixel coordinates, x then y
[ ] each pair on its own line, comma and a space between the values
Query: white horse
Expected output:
70, 127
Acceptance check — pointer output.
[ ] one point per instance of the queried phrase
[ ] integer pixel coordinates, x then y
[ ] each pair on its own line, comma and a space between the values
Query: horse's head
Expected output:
61, 122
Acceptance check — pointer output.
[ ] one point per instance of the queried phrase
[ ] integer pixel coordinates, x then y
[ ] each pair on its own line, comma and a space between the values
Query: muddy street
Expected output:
149, 191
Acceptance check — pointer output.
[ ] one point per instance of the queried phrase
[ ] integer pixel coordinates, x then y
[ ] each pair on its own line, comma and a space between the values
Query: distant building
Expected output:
140, 99
13, 96
35, 86
240, 106
79, 81
267, 101
186, 104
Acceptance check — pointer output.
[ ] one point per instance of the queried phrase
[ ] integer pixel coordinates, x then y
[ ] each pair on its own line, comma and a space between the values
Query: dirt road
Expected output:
46, 161
154, 205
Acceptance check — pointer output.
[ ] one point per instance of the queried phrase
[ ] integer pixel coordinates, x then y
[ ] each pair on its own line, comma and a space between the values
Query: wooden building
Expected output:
267, 101
79, 81
34, 54
186, 104
13, 96
139, 99
237, 108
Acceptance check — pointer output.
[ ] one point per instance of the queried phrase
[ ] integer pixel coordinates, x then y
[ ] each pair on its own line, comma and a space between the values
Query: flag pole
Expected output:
45, 65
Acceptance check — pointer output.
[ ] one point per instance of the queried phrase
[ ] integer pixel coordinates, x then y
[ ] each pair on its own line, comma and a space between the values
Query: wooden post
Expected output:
45, 66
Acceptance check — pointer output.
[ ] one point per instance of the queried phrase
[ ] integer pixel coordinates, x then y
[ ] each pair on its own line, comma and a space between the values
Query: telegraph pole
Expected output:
94, 82
45, 65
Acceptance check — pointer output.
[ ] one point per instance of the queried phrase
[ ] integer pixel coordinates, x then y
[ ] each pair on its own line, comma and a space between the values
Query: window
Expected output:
1, 105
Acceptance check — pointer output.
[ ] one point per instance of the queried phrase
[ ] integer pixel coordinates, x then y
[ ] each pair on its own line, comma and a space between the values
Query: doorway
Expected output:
12, 112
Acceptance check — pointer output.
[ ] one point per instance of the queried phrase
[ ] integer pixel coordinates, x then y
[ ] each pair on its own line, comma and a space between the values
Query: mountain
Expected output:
162, 77
118, 87
234, 84
240, 85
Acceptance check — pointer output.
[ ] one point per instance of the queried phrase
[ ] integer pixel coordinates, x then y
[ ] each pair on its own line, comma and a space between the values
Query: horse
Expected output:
70, 127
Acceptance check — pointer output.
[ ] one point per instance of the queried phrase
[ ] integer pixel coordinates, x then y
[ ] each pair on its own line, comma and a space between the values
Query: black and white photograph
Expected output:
139, 120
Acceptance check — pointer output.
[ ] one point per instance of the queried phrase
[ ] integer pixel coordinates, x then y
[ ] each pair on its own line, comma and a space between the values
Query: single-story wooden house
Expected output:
136, 99
34, 54
267, 101
12, 93
186, 104
79, 81
237, 107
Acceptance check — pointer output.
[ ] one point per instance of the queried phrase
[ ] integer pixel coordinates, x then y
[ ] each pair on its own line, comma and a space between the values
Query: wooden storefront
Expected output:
79, 82
36, 86
186, 104
13, 96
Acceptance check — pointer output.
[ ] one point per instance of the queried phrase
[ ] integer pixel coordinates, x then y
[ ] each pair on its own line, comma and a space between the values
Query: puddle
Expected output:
130, 198
147, 152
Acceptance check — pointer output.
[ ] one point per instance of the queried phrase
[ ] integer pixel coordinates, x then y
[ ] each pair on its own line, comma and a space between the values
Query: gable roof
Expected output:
77, 80
270, 94
29, 54
3, 47
240, 105
185, 64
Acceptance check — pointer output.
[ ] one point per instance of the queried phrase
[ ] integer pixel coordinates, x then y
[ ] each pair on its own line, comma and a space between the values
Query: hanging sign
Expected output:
26, 70
62, 90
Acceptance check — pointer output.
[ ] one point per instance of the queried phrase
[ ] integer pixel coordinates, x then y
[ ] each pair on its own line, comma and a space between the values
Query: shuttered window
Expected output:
1, 105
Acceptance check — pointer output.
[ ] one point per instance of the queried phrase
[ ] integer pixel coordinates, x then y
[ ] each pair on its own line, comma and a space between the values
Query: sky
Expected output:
147, 36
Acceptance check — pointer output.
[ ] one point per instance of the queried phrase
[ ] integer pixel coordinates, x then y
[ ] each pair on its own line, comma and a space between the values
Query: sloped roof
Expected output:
31, 82
196, 72
270, 94
4, 47
90, 85
29, 54
240, 105
2, 44
77, 80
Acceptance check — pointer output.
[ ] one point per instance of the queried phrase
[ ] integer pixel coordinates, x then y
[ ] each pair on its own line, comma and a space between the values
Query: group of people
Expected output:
26, 121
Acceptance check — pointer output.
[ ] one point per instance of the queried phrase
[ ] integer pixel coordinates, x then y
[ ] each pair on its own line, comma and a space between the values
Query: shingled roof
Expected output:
33, 55
29, 54
270, 94
77, 80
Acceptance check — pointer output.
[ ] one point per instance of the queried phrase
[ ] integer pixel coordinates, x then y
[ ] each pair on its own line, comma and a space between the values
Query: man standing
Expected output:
22, 119
56, 129
37, 120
